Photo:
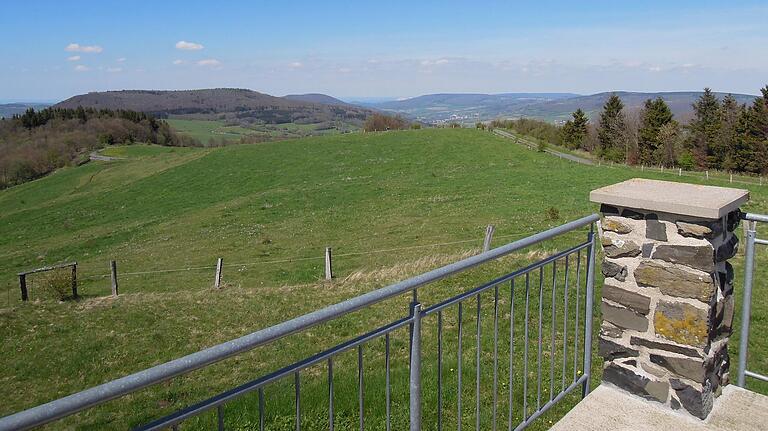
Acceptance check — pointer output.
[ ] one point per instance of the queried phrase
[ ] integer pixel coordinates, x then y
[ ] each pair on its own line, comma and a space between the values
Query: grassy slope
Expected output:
177, 208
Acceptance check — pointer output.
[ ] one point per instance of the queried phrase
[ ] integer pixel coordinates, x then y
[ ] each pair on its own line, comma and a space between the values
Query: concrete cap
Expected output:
691, 200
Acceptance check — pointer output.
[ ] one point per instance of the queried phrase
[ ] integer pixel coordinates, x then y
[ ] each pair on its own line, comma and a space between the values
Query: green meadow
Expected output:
390, 205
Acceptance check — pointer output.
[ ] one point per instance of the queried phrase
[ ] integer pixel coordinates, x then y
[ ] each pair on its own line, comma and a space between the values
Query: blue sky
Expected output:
53, 49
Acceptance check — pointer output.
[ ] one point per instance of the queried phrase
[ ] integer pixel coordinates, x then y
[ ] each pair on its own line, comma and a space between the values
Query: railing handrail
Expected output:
746, 307
96, 395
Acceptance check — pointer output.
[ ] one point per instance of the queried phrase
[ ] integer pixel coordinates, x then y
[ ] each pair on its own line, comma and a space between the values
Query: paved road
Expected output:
532, 145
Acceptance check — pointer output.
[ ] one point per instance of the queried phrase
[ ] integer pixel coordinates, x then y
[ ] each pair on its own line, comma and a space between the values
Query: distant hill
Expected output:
679, 102
8, 110
438, 108
322, 99
219, 103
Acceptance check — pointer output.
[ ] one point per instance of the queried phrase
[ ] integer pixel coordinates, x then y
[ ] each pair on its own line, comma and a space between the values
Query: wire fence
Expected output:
93, 282
707, 175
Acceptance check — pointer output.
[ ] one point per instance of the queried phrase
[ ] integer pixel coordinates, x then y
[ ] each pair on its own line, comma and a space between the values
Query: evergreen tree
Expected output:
653, 117
728, 141
611, 133
575, 131
751, 152
705, 129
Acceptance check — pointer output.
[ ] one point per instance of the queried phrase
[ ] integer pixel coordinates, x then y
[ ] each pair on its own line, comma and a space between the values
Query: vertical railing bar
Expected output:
330, 394
538, 354
746, 307
511, 349
415, 370
261, 409
477, 367
553, 335
360, 393
439, 370
588, 306
565, 322
220, 416
458, 369
576, 328
525, 355
495, 352
297, 386
388, 394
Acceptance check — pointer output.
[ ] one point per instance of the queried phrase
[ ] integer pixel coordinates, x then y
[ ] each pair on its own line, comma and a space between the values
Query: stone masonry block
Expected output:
701, 230
611, 350
682, 323
612, 269
631, 381
700, 257
675, 280
624, 317
615, 224
614, 247
697, 402
632, 300
669, 347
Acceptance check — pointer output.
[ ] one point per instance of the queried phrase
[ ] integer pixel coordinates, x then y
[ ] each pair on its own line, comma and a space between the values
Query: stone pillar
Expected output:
667, 301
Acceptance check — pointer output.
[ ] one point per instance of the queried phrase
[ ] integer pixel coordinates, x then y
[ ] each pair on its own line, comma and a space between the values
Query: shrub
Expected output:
56, 284
553, 214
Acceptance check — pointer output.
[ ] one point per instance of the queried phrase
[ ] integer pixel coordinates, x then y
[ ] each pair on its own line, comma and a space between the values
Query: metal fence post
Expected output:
415, 379
746, 306
588, 312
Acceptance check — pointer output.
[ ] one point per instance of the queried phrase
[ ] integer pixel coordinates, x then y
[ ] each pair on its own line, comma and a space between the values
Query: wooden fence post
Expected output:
113, 274
74, 280
679, 172
328, 265
23, 287
219, 265
707, 175
488, 237
731, 176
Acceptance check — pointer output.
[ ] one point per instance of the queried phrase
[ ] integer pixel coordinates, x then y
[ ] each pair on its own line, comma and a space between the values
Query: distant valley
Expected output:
556, 107
8, 110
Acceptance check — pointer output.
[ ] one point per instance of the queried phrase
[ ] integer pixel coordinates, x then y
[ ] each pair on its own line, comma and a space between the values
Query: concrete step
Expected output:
609, 408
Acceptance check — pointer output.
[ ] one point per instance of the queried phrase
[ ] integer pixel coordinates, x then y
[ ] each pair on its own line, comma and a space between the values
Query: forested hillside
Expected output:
37, 142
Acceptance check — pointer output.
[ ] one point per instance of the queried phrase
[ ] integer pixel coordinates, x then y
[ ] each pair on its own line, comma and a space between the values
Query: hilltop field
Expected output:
390, 205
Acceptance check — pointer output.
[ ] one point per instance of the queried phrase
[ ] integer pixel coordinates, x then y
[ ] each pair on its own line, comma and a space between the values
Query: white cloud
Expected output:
655, 69
177, 62
73, 58
114, 69
209, 62
296, 65
81, 68
76, 47
121, 59
188, 46
345, 70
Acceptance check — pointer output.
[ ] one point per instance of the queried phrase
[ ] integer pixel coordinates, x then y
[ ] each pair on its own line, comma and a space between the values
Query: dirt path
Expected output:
96, 156
532, 145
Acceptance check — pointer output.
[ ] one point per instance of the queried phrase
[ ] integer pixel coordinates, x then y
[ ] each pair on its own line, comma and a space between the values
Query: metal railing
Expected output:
522, 289
746, 310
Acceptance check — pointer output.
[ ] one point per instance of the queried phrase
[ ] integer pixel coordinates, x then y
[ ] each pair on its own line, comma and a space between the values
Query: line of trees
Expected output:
35, 143
723, 135
541, 130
